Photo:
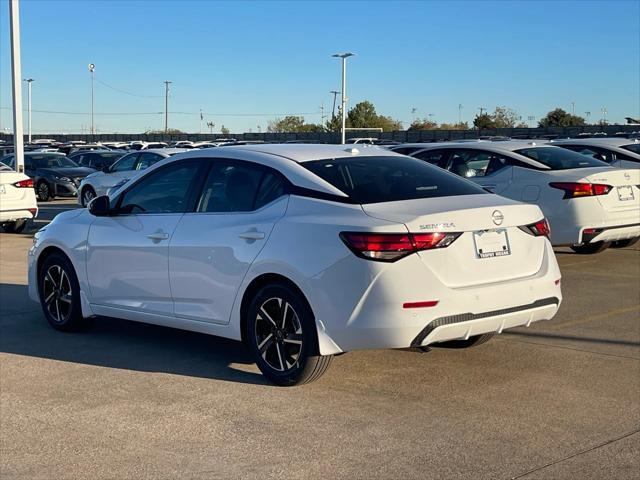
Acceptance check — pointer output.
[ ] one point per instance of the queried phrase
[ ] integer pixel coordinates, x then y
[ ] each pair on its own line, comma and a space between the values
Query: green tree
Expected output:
454, 126
292, 123
559, 118
224, 130
504, 117
334, 124
483, 121
423, 124
364, 115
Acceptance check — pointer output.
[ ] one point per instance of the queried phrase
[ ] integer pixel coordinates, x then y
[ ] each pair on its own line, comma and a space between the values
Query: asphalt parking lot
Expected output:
558, 400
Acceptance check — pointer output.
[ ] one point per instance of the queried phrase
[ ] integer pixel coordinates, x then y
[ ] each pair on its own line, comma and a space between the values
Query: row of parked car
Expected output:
527, 171
305, 252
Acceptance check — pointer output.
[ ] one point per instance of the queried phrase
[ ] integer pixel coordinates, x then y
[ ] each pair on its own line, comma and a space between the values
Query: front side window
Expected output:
476, 163
163, 191
560, 158
126, 163
231, 187
148, 159
389, 179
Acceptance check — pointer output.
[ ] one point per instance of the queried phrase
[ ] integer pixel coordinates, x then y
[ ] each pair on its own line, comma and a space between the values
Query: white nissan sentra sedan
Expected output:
302, 252
17, 200
589, 205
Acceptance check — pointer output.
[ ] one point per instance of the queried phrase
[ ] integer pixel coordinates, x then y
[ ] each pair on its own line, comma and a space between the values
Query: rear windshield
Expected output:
388, 179
557, 158
633, 147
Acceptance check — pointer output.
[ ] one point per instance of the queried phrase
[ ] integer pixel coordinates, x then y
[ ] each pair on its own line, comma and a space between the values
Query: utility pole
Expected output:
201, 118
29, 80
322, 113
573, 108
587, 114
166, 105
459, 113
344, 57
482, 110
92, 70
333, 110
211, 125
604, 114
16, 75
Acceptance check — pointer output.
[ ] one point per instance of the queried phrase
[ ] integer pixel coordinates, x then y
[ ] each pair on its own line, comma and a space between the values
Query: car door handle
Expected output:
157, 236
252, 235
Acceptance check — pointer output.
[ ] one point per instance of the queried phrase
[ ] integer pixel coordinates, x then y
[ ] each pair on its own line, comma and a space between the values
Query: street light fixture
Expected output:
92, 70
344, 57
29, 80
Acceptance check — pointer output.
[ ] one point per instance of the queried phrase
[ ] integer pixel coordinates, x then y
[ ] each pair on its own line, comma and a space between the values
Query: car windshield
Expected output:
633, 147
557, 158
52, 161
389, 179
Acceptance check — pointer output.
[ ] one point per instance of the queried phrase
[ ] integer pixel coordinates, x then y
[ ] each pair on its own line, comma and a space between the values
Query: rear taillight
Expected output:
28, 183
576, 189
389, 247
539, 229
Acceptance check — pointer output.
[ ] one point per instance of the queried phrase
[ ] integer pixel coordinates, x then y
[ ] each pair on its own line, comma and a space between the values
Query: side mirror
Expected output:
100, 207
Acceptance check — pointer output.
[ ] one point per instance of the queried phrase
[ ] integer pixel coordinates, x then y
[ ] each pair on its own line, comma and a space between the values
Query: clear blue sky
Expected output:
242, 58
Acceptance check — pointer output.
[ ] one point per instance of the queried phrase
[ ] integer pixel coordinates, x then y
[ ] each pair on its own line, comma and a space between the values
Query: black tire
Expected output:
15, 227
624, 243
590, 248
43, 191
470, 342
280, 331
60, 293
88, 194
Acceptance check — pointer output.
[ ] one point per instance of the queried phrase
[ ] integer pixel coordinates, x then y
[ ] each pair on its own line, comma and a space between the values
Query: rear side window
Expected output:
633, 147
559, 158
406, 150
593, 152
389, 179
230, 187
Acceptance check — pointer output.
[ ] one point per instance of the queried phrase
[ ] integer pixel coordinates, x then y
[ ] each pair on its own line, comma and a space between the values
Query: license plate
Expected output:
625, 193
2, 189
491, 243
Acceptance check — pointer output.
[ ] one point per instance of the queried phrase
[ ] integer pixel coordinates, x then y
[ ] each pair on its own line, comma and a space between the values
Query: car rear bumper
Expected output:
17, 214
610, 234
383, 318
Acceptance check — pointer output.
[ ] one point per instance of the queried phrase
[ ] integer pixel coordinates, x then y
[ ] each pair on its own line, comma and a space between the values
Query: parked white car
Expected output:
617, 152
302, 252
590, 205
99, 183
17, 200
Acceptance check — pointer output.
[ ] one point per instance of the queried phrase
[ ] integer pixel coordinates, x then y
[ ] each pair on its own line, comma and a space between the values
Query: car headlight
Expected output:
62, 179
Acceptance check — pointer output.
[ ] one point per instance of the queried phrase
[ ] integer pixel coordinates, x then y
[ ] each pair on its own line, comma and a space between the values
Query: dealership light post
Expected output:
92, 71
29, 80
16, 75
344, 57
166, 105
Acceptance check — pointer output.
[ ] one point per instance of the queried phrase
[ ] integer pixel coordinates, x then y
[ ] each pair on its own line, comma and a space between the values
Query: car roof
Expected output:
300, 152
163, 151
604, 141
510, 145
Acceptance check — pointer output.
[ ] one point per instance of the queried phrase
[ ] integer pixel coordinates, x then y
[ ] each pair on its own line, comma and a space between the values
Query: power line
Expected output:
126, 92
58, 112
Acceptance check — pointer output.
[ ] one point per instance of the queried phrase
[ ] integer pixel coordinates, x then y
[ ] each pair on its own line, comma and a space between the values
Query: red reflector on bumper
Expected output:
430, 303
557, 282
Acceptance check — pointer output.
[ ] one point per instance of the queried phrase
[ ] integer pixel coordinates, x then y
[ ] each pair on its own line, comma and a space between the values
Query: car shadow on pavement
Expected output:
575, 338
115, 343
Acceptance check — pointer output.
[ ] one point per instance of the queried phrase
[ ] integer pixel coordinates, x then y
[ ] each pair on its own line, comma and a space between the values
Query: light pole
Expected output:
531, 118
459, 114
573, 108
16, 74
92, 70
166, 105
344, 57
604, 115
29, 80
201, 118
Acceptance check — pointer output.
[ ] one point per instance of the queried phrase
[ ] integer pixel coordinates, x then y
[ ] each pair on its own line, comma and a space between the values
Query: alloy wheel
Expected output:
278, 333
87, 196
43, 191
57, 293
